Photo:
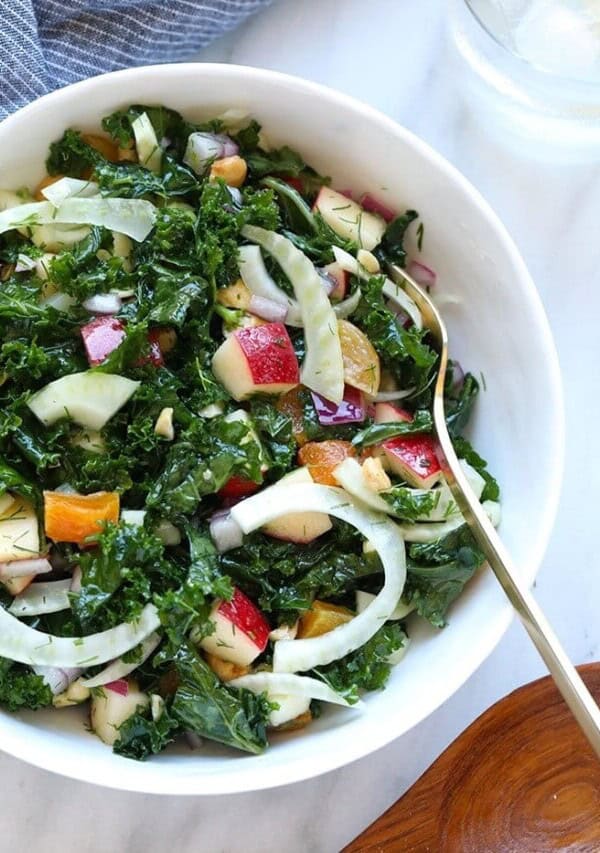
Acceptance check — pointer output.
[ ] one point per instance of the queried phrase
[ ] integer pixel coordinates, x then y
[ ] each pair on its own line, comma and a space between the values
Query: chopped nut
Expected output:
164, 424
368, 261
284, 632
376, 478
233, 170
226, 670
167, 338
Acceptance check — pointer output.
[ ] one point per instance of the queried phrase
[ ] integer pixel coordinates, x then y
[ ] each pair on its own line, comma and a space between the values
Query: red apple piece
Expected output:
100, 337
255, 360
414, 458
388, 413
241, 631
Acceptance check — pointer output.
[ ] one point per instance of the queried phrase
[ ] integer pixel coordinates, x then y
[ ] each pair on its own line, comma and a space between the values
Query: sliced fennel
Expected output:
350, 476
431, 531
390, 289
23, 644
120, 668
323, 367
285, 684
400, 611
65, 188
132, 216
89, 398
258, 281
300, 655
38, 598
148, 149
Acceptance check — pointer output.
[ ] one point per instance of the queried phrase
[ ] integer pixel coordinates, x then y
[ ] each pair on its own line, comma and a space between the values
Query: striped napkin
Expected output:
45, 44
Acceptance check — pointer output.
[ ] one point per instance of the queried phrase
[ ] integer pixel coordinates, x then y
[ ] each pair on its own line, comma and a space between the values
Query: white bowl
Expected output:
498, 327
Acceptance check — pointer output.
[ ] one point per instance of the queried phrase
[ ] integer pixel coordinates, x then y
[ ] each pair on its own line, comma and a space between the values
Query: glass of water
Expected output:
531, 68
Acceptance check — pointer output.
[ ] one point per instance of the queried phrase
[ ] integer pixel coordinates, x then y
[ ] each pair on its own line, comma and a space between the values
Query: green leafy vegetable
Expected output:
367, 668
203, 705
376, 433
22, 688
140, 736
438, 571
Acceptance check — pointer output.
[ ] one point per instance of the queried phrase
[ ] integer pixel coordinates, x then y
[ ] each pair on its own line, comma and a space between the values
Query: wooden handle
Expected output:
522, 778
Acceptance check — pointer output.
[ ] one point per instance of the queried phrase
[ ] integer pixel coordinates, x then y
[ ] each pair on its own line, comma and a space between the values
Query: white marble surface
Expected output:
390, 53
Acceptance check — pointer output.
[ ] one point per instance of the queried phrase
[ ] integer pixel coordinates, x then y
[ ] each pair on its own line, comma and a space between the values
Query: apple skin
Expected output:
241, 631
259, 359
341, 278
414, 458
100, 337
389, 413
104, 334
238, 487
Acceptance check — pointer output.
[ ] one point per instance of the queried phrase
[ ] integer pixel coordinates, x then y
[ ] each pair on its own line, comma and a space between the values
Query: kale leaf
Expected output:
22, 688
140, 736
202, 704
376, 433
459, 404
392, 245
402, 351
438, 572
410, 504
464, 450
368, 667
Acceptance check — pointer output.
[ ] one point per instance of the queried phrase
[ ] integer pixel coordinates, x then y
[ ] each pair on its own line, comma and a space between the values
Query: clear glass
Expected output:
531, 69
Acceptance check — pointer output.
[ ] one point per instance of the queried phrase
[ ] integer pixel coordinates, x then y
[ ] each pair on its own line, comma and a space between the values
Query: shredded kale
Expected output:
410, 504
367, 668
22, 688
403, 352
140, 736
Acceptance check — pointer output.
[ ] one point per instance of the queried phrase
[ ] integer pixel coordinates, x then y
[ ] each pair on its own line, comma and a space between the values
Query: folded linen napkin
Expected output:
45, 44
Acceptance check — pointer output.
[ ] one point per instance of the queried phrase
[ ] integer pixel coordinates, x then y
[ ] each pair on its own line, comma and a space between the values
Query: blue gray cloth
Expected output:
45, 44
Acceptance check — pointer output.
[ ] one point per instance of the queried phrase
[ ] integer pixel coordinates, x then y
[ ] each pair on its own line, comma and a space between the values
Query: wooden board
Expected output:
520, 779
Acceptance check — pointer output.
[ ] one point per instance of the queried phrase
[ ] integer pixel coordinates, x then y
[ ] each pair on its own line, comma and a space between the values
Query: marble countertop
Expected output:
391, 54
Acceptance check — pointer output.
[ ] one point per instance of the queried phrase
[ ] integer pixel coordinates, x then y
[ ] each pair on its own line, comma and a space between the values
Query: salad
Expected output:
220, 497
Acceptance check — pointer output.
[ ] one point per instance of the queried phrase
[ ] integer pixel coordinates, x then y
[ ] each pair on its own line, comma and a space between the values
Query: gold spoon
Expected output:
568, 681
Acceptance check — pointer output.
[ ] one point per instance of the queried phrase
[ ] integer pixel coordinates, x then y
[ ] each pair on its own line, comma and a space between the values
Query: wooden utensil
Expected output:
521, 779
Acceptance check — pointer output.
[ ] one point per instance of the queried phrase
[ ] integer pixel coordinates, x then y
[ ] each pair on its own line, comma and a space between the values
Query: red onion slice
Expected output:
194, 740
23, 568
76, 579
225, 532
422, 274
267, 309
57, 678
373, 205
351, 410
329, 282
103, 303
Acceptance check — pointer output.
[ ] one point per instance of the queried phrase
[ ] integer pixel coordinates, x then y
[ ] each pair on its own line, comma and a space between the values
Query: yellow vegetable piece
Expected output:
322, 618
362, 369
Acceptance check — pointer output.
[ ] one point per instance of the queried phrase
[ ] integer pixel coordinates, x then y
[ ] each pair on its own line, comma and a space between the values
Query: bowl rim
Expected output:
263, 777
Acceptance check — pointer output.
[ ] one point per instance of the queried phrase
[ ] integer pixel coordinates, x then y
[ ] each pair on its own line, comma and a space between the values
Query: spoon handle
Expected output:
569, 683
573, 690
